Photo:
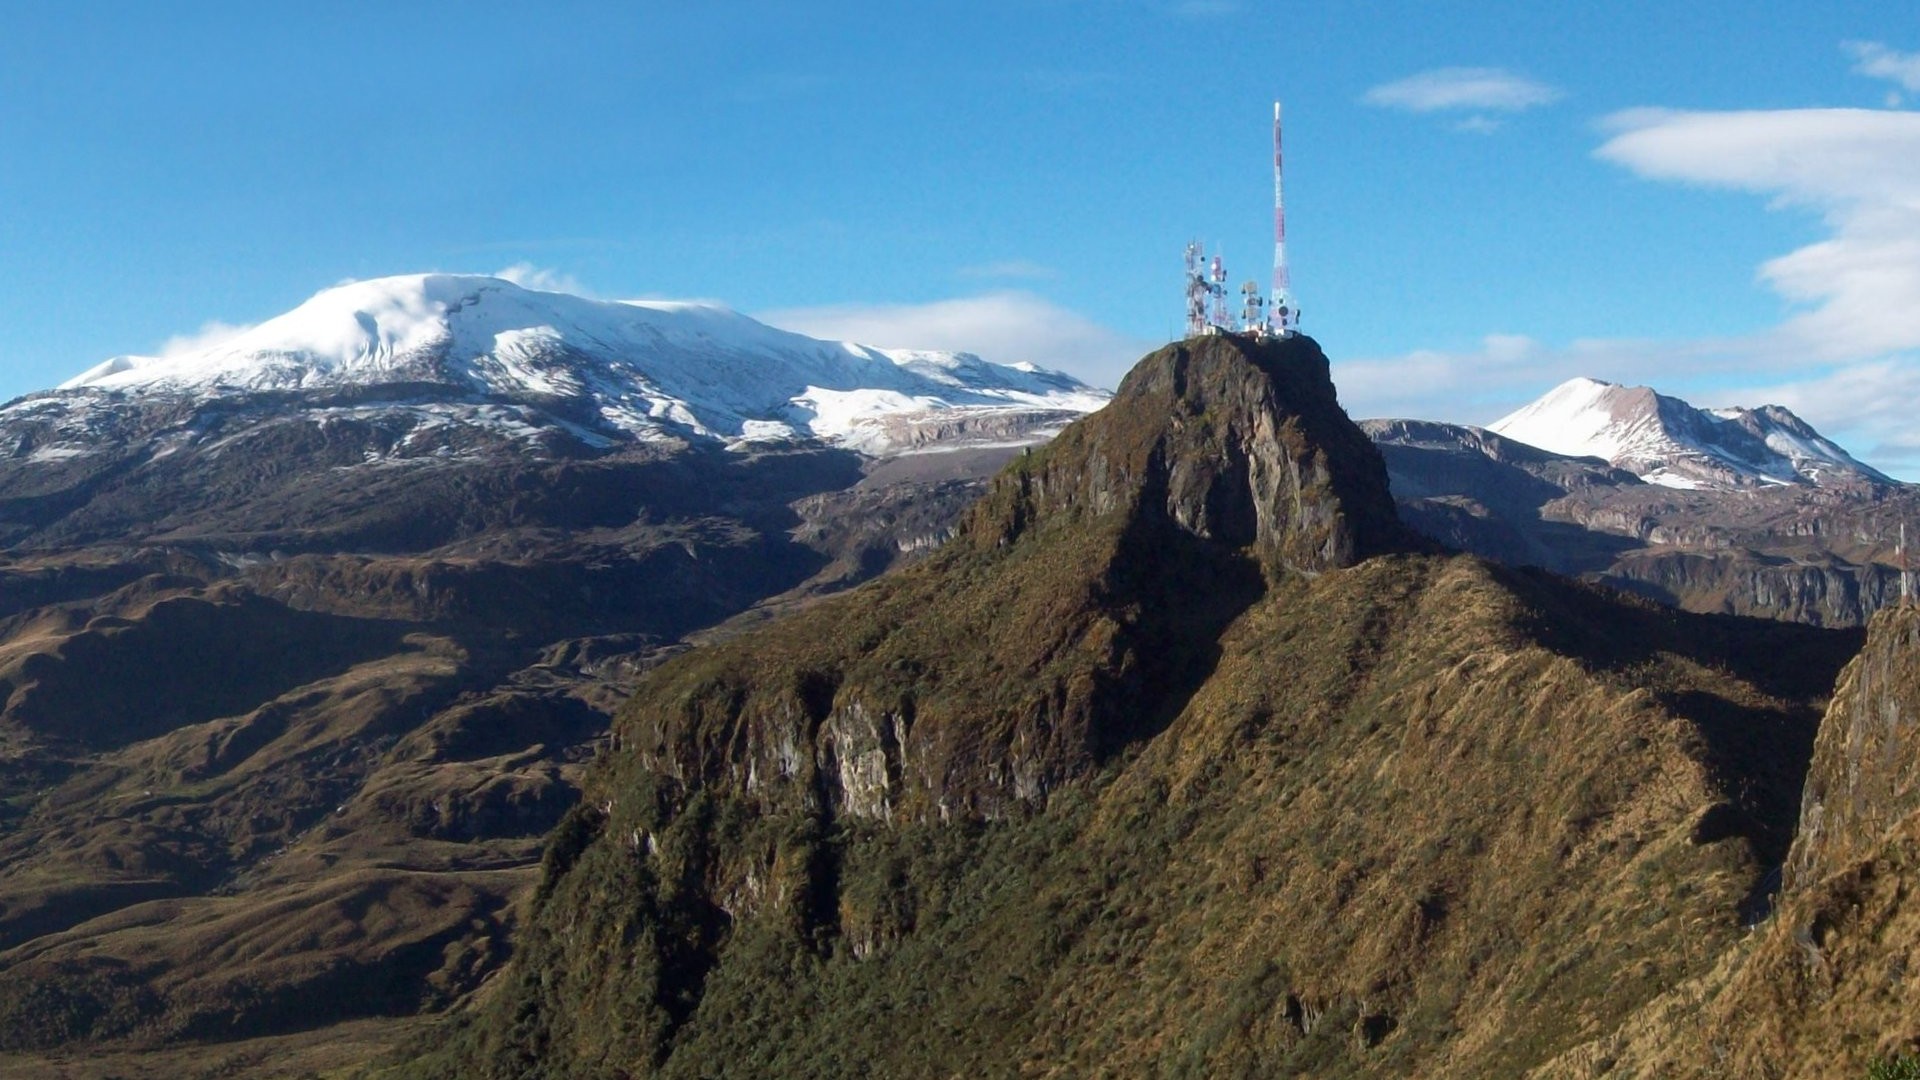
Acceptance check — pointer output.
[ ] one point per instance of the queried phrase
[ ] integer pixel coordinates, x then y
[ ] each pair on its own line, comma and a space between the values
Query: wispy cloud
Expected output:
1462, 89
212, 333
1478, 124
1009, 268
1006, 327
542, 279
1875, 60
1858, 290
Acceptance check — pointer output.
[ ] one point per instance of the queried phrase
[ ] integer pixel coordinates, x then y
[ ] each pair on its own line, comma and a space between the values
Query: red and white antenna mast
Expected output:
1283, 314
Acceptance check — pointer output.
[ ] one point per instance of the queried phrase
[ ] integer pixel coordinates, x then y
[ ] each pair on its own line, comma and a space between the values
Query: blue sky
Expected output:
1015, 178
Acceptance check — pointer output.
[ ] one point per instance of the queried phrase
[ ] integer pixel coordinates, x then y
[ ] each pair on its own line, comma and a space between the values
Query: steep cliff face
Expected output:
1231, 440
1814, 588
1865, 776
1171, 721
1825, 987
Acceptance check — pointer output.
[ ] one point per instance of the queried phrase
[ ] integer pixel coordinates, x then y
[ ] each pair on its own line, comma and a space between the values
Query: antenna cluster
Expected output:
1206, 293
1276, 315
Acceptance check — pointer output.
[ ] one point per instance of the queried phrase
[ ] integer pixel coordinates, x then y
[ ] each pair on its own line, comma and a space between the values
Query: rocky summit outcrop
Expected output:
1233, 440
1175, 761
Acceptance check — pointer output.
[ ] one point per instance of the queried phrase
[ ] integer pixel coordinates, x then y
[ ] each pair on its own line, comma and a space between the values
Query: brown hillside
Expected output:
1822, 990
1168, 765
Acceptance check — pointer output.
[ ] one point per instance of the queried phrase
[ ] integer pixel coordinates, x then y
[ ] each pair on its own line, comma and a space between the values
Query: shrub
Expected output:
1903, 1067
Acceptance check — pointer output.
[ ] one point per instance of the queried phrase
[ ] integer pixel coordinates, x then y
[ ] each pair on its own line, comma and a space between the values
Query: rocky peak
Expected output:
1081, 603
1229, 439
1666, 441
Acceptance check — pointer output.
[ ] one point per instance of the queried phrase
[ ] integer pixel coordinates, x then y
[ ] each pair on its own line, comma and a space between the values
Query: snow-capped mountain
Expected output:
511, 359
1666, 441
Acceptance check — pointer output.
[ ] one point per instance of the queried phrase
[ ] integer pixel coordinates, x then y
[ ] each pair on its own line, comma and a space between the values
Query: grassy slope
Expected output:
1121, 783
1424, 815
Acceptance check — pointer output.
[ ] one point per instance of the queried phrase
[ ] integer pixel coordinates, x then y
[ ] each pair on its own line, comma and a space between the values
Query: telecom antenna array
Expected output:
1277, 315
1196, 290
1217, 285
1206, 293
1253, 308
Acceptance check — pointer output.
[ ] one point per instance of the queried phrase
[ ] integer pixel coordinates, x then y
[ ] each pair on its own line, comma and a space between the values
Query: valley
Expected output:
298, 672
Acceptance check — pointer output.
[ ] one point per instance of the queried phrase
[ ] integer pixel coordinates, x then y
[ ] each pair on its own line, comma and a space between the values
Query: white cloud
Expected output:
542, 279
1858, 290
1479, 89
1866, 407
1009, 268
1006, 327
1872, 59
210, 334
1846, 353
1478, 124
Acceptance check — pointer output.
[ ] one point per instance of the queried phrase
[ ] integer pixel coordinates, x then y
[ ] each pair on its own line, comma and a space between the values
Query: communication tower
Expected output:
1206, 293
1277, 315
1196, 290
1283, 313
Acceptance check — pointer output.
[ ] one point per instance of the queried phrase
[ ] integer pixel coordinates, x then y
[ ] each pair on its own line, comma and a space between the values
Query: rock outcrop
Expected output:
1236, 441
1865, 776
1071, 614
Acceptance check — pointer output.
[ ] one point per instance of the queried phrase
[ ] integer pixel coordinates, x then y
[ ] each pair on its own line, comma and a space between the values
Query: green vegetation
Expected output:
1381, 793
1901, 1067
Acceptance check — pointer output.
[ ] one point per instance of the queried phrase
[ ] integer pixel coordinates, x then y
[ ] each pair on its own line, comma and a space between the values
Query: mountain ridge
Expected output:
1825, 553
1666, 441
628, 370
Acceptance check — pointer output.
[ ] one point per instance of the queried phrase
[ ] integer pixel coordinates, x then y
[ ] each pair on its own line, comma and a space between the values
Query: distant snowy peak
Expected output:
1666, 441
643, 368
